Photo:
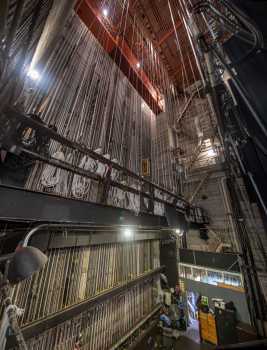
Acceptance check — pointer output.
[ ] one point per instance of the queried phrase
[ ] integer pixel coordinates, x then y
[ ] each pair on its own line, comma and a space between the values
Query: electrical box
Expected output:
145, 167
207, 327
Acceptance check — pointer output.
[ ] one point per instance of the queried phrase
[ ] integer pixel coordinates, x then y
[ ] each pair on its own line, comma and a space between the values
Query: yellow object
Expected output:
145, 167
207, 327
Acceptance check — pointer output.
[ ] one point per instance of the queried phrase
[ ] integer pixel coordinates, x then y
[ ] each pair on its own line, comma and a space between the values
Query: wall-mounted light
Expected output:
179, 232
128, 233
105, 12
33, 74
211, 152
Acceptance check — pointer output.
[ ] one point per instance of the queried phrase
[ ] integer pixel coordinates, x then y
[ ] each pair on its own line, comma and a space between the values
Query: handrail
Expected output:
53, 320
11, 114
63, 226
15, 114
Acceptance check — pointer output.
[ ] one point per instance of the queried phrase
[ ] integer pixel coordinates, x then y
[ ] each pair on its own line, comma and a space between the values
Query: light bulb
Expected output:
33, 74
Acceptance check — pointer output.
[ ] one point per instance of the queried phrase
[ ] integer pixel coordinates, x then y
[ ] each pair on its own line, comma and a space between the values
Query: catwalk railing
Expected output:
106, 178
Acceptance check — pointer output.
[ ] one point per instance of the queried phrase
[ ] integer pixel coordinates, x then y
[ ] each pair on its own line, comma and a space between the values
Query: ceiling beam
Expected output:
169, 33
90, 14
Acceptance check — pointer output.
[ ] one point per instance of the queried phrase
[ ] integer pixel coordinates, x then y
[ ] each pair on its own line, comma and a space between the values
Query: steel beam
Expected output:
169, 33
90, 14
24, 205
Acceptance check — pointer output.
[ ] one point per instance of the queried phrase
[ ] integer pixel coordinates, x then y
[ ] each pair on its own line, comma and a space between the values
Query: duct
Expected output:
55, 22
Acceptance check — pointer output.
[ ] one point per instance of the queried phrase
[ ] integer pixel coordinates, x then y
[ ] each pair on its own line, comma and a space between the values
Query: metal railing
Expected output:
10, 140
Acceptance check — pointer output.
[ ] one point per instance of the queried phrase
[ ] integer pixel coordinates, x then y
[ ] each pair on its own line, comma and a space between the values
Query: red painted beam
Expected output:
92, 17
167, 35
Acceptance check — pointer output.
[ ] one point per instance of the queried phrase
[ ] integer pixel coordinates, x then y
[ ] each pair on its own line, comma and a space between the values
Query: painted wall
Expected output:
238, 298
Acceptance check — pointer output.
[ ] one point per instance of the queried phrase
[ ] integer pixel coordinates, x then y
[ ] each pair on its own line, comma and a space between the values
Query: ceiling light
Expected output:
33, 74
105, 12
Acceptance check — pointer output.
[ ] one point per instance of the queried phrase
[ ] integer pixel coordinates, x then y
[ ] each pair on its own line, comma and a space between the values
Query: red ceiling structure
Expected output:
117, 47
153, 18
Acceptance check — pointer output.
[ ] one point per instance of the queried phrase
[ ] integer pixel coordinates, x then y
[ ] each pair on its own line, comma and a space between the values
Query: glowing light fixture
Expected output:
105, 12
138, 65
211, 153
33, 74
179, 232
128, 233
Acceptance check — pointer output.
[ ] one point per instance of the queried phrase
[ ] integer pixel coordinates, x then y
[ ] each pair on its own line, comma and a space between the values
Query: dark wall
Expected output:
221, 261
168, 258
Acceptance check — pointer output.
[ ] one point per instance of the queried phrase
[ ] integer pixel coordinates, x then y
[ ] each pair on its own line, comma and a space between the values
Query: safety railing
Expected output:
107, 182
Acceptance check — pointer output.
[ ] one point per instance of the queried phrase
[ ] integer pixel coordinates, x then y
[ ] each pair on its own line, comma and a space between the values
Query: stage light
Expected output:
25, 262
